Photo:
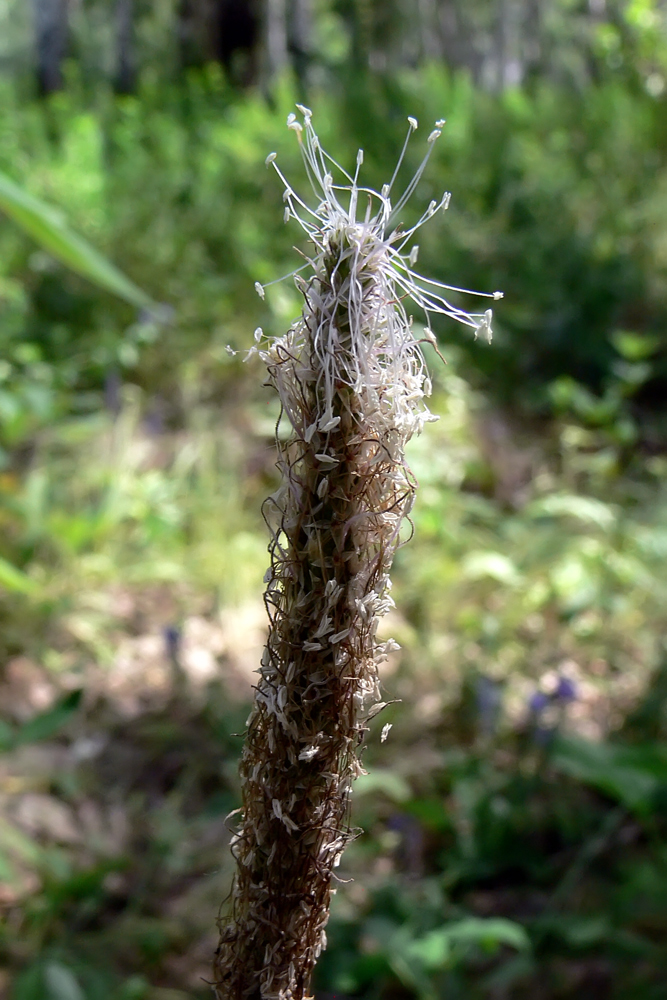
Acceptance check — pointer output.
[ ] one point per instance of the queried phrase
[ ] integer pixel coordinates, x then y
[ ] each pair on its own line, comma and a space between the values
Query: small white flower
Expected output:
385, 731
374, 248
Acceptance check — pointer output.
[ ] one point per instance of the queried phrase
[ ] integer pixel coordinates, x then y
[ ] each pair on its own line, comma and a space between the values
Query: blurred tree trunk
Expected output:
457, 38
197, 31
125, 74
299, 39
238, 39
429, 41
50, 42
275, 38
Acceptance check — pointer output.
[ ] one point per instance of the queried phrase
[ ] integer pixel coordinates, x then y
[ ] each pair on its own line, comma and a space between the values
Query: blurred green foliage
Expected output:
515, 818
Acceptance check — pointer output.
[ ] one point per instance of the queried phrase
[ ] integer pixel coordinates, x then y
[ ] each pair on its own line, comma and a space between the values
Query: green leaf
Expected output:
48, 227
48, 723
494, 565
29, 984
61, 983
14, 579
634, 346
434, 950
380, 780
14, 841
7, 873
631, 775
588, 510
6, 736
489, 933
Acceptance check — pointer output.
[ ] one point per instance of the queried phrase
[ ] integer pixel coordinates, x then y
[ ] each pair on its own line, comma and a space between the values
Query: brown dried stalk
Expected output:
351, 380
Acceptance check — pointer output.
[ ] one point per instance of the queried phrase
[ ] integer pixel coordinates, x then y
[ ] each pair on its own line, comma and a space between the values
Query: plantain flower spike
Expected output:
352, 383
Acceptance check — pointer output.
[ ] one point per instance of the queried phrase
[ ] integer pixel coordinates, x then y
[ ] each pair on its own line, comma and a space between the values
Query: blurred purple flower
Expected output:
566, 689
172, 640
538, 702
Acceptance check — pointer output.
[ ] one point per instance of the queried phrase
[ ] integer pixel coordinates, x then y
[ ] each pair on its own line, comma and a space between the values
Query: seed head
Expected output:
352, 384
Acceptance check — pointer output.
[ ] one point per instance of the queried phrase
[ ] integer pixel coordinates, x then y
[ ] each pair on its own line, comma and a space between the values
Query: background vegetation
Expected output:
514, 821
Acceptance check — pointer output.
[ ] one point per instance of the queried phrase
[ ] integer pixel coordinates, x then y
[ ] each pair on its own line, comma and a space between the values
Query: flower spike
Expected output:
352, 383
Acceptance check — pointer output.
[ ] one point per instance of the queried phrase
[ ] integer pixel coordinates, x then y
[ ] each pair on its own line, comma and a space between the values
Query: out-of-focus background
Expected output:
514, 820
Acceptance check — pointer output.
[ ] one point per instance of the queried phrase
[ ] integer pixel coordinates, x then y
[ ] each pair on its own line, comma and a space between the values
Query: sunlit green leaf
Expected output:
379, 780
494, 565
6, 869
433, 950
48, 227
634, 346
14, 579
14, 841
588, 510
489, 933
61, 983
